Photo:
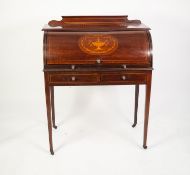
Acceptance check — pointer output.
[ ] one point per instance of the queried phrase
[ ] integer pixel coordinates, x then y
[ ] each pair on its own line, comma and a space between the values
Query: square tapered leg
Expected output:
53, 107
147, 106
48, 106
136, 104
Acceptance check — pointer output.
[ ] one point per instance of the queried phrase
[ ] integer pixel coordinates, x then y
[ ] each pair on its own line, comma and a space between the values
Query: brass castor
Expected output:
144, 146
134, 125
55, 127
52, 152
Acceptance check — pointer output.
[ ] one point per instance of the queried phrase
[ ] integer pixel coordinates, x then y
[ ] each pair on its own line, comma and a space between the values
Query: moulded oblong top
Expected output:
94, 23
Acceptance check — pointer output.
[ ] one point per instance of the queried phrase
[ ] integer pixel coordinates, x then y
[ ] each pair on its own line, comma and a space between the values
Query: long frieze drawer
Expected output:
73, 78
123, 78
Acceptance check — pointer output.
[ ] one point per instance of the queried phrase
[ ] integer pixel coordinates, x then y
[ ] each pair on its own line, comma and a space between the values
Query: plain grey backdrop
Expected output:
94, 134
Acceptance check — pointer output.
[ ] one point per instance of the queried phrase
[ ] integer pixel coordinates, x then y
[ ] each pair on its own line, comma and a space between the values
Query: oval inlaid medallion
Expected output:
98, 44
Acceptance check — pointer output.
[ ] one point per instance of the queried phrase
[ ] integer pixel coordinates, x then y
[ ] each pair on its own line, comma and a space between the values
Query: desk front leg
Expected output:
48, 106
147, 106
136, 104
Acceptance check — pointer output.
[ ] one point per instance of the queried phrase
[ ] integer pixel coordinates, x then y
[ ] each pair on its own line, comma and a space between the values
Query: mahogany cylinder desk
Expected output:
97, 50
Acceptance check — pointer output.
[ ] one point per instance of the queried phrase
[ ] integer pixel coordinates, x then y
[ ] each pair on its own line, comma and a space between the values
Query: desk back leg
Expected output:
136, 104
48, 106
147, 106
53, 107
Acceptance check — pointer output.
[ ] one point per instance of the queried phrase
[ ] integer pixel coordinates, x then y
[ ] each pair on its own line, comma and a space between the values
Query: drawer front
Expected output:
130, 47
73, 78
123, 78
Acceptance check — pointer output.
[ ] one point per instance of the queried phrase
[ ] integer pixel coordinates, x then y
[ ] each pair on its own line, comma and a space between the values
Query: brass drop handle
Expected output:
73, 78
98, 60
123, 77
72, 67
124, 66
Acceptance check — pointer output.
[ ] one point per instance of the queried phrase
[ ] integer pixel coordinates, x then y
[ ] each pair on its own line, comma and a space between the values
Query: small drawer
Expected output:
130, 78
73, 78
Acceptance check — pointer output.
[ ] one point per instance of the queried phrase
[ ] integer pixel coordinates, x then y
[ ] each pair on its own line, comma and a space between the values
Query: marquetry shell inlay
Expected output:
98, 44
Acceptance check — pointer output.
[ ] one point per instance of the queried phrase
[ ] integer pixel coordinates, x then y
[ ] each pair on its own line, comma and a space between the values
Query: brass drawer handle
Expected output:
124, 66
73, 78
123, 77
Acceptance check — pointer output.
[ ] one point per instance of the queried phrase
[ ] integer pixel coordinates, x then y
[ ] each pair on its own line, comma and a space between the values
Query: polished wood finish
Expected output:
97, 50
62, 48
